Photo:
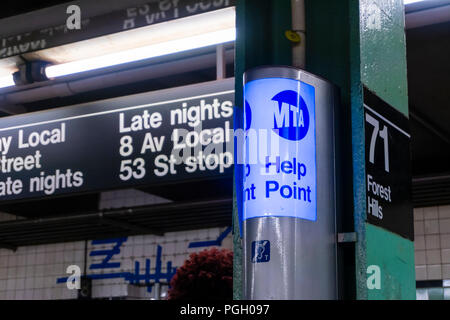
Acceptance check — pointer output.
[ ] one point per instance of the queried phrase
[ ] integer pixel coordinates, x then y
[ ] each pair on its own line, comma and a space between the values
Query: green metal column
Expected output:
261, 25
354, 43
350, 43
383, 70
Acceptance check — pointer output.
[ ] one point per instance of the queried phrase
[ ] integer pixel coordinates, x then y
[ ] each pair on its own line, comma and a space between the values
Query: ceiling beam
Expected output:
430, 126
427, 16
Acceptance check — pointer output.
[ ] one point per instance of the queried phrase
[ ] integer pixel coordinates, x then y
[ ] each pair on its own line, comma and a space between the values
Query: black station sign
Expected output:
388, 171
175, 134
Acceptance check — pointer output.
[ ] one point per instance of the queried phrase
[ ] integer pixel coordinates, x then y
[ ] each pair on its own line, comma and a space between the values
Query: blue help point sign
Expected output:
280, 149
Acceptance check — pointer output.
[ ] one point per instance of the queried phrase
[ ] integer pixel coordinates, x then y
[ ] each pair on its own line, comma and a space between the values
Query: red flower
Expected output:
207, 275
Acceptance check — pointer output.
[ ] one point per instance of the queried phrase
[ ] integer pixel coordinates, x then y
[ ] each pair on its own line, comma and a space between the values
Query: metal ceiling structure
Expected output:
428, 52
156, 219
431, 191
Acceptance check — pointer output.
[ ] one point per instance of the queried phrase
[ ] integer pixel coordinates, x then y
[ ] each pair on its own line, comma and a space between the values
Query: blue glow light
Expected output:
280, 150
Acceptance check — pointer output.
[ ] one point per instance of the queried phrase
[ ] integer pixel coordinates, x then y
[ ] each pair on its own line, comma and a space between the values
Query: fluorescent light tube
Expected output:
411, 1
174, 36
146, 52
6, 81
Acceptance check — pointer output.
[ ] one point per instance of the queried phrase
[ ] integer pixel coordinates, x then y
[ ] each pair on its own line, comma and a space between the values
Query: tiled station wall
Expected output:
32, 272
432, 243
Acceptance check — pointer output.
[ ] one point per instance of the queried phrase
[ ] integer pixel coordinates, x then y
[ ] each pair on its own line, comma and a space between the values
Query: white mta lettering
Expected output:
283, 119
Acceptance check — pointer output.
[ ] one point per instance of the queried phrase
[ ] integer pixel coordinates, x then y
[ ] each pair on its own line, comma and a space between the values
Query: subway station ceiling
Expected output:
428, 54
428, 57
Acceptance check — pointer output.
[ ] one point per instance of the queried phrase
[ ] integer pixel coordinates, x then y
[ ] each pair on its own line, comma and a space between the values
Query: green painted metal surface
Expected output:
395, 257
383, 71
383, 50
351, 43
333, 52
237, 250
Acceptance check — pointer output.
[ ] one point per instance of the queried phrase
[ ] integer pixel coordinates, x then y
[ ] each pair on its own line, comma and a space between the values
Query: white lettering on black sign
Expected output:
147, 139
388, 176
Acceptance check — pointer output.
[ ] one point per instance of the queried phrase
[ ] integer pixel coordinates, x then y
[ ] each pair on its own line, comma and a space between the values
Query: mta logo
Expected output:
261, 251
291, 117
